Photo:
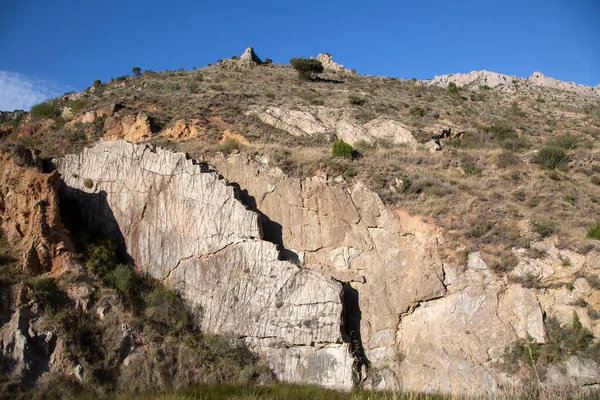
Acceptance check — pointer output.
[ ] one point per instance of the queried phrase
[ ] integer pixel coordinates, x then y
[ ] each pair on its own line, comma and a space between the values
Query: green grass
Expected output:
278, 391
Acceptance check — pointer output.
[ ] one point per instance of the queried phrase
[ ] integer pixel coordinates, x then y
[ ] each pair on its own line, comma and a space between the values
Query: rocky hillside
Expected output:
454, 251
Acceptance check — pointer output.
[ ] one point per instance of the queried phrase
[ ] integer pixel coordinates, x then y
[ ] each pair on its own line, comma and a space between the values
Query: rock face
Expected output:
183, 225
374, 288
249, 57
310, 121
328, 63
30, 218
423, 324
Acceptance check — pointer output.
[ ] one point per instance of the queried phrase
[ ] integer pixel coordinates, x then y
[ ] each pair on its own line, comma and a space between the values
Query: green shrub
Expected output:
544, 227
47, 109
48, 295
594, 232
551, 157
137, 71
339, 148
97, 83
268, 61
307, 68
193, 87
166, 311
452, 89
471, 169
101, 257
199, 77
121, 78
566, 142
77, 105
417, 111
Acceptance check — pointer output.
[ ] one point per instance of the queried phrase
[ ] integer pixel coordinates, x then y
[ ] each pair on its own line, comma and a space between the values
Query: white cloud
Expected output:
20, 92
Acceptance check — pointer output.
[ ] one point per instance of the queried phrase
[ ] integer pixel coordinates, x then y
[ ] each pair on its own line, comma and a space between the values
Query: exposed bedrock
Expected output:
183, 225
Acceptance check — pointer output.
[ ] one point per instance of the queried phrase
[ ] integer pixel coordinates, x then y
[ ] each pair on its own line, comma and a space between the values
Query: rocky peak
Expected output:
249, 57
328, 63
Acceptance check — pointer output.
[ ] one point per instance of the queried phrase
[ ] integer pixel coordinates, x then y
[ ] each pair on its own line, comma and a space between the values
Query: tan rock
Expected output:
328, 63
184, 129
133, 128
232, 135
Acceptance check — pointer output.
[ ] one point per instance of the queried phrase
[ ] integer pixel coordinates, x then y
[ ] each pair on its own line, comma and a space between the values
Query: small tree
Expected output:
307, 68
136, 71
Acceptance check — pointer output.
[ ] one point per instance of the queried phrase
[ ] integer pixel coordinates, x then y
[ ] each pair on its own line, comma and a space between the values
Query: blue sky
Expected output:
48, 47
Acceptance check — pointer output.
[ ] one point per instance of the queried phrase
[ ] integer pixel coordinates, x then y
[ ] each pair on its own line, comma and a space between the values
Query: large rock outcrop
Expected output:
310, 121
423, 323
182, 224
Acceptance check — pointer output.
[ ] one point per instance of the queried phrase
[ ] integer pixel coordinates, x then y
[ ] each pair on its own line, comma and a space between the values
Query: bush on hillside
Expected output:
594, 232
307, 68
452, 89
551, 157
47, 109
339, 148
137, 71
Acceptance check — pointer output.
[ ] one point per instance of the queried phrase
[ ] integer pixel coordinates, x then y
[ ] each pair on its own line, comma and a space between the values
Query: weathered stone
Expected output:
310, 121
328, 63
249, 57
184, 226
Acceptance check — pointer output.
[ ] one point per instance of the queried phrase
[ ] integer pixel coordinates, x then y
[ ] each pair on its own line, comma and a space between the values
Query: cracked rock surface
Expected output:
182, 224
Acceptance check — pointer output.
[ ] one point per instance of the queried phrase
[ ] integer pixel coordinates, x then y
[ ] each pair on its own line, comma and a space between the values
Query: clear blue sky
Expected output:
55, 45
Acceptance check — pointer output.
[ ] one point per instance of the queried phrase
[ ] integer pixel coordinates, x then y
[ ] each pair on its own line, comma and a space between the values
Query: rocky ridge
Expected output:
509, 83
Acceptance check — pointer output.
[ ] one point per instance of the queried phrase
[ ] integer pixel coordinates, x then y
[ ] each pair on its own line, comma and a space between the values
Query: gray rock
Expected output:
249, 57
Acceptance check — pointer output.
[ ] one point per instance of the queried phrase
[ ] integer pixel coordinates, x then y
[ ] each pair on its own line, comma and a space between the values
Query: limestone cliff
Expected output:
182, 224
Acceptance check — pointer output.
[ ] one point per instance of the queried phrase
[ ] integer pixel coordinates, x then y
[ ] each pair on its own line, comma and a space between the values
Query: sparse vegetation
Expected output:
136, 71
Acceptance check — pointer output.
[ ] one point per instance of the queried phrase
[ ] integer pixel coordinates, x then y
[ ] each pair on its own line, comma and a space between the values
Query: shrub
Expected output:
121, 78
356, 100
566, 142
47, 109
594, 232
136, 71
417, 111
77, 105
339, 148
48, 295
544, 227
199, 77
88, 183
471, 169
268, 61
452, 89
229, 145
307, 68
193, 87
551, 157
